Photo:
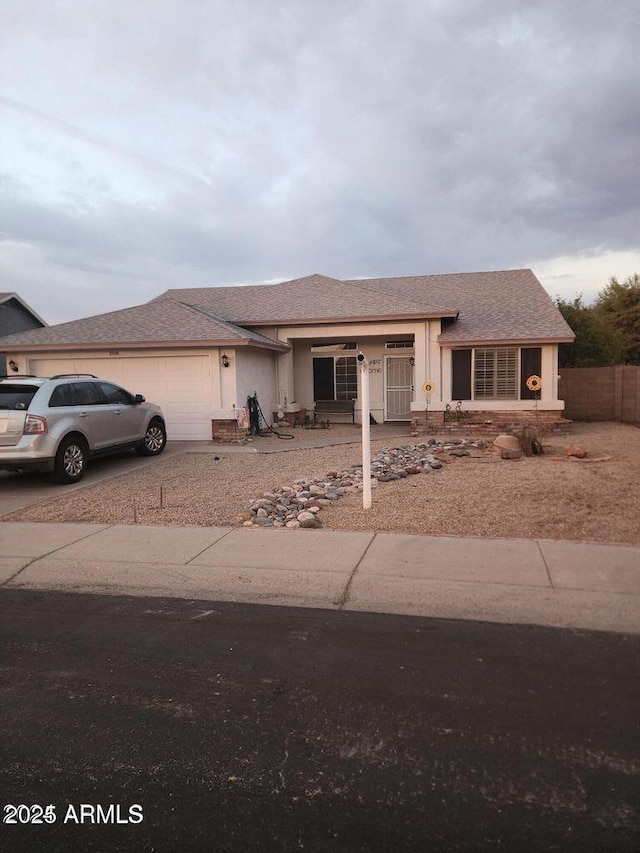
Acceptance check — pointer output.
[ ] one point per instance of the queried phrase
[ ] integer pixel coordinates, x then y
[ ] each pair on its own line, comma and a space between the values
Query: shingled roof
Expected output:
499, 305
168, 321
486, 306
479, 307
312, 299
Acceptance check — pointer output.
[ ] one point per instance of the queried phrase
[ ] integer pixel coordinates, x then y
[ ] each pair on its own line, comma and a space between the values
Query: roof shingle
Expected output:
155, 322
498, 305
485, 306
314, 298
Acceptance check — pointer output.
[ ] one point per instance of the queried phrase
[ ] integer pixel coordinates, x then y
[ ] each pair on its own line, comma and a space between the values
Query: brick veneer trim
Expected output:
227, 431
487, 423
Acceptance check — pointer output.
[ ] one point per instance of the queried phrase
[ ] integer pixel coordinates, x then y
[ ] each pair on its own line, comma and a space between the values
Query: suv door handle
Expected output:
117, 411
83, 415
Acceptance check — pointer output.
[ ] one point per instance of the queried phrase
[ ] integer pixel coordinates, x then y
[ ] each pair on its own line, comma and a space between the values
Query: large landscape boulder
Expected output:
506, 442
511, 454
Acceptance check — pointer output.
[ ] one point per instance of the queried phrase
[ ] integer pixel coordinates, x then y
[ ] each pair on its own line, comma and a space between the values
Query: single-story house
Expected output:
15, 316
474, 337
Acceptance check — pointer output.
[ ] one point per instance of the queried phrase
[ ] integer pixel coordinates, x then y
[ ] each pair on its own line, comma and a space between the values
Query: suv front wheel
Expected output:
71, 460
154, 440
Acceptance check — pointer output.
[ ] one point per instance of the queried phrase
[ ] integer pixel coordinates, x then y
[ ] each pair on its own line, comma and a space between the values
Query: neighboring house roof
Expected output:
315, 298
168, 321
7, 297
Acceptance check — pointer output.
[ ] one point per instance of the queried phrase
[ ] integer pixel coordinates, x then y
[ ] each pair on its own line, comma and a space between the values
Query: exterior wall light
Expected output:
13, 365
224, 358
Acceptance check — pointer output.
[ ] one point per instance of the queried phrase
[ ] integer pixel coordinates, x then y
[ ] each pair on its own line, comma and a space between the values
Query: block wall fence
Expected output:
601, 393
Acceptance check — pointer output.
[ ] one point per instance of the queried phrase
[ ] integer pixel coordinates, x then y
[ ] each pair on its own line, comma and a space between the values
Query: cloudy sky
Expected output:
148, 144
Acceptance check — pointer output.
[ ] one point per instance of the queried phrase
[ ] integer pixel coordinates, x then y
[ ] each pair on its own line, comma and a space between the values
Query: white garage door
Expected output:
180, 384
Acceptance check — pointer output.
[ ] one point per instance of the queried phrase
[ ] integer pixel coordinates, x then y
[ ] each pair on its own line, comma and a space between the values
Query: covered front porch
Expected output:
416, 379
322, 366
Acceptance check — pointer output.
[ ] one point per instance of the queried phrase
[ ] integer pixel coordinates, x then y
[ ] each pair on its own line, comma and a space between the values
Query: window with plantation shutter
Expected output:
495, 373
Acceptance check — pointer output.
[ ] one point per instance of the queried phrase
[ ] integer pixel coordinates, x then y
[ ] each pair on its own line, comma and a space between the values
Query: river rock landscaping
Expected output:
300, 504
550, 496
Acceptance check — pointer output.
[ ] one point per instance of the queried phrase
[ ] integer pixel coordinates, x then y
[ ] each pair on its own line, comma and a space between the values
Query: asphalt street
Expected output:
228, 727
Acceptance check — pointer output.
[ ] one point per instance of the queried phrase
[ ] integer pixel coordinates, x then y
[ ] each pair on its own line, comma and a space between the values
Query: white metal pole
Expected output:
366, 432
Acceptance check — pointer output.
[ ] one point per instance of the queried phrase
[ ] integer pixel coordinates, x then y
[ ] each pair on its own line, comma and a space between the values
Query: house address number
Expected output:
114, 352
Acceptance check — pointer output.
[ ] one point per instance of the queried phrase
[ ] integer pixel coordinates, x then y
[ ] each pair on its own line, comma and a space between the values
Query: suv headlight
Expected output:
34, 425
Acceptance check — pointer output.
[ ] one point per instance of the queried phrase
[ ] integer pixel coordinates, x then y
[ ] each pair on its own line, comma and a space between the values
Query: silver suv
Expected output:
58, 424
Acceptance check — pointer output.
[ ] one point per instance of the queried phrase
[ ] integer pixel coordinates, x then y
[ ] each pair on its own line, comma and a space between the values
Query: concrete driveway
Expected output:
20, 490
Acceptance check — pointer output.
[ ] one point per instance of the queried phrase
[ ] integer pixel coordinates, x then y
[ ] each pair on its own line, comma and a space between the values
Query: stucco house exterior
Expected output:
475, 337
15, 316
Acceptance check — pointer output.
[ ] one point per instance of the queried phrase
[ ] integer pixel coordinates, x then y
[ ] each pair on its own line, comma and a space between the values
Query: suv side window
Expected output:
63, 395
88, 394
113, 394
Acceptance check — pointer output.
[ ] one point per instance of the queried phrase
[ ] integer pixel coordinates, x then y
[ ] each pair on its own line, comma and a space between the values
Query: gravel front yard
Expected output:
542, 497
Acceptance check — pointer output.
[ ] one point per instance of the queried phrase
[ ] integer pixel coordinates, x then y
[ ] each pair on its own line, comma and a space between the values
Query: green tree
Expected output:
597, 342
619, 304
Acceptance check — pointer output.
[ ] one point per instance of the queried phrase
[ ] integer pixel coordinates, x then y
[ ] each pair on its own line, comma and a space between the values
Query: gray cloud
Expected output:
228, 142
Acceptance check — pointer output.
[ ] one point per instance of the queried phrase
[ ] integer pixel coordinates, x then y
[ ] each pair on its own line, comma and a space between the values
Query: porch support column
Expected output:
435, 367
421, 367
285, 383
549, 373
446, 375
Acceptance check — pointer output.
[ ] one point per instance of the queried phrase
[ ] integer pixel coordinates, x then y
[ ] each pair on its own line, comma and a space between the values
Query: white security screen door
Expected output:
398, 387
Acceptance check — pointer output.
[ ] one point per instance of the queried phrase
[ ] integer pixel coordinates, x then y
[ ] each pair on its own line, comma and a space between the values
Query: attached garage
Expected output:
199, 367
181, 384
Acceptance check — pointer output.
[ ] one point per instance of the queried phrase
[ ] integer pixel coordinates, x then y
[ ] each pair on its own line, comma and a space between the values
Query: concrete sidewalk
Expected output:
542, 582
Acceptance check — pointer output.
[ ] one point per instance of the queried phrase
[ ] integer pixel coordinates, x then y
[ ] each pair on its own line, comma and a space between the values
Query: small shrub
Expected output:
529, 441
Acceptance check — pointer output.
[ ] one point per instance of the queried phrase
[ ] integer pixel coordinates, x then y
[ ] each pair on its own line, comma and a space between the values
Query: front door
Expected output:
398, 387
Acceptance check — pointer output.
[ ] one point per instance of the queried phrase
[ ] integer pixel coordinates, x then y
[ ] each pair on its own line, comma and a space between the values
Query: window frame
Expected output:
127, 396
349, 391
347, 375
515, 378
398, 343
21, 396
100, 399
66, 389
331, 347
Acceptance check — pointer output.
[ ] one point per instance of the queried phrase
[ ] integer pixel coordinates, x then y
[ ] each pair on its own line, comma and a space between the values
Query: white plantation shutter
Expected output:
496, 373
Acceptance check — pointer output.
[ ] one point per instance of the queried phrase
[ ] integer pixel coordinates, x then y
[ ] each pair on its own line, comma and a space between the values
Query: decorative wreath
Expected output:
534, 383
428, 387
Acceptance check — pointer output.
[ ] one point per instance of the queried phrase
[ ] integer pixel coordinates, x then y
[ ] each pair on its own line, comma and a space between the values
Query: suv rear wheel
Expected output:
71, 460
154, 440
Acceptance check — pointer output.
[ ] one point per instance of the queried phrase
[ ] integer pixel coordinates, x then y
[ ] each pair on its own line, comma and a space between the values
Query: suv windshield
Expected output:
16, 396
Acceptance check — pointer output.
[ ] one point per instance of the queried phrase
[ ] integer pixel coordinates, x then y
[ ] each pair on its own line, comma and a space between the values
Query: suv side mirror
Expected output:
138, 398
